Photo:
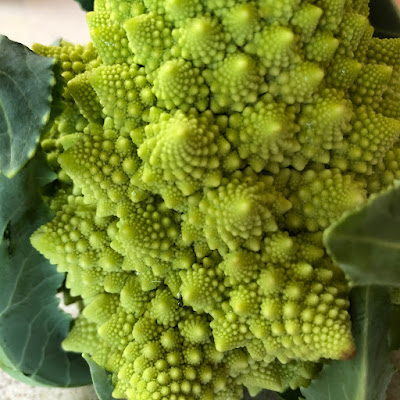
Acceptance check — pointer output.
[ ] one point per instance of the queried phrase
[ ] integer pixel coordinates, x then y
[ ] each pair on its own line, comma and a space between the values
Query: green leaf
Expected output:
367, 376
366, 243
32, 326
394, 328
101, 379
385, 18
86, 5
26, 84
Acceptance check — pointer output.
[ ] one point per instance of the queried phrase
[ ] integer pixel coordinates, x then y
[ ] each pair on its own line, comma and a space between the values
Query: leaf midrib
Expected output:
369, 240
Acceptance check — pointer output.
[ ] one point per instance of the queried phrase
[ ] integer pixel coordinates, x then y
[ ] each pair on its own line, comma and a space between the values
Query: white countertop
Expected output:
43, 21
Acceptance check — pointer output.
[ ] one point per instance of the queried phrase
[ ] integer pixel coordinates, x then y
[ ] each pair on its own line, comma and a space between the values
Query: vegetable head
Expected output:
203, 148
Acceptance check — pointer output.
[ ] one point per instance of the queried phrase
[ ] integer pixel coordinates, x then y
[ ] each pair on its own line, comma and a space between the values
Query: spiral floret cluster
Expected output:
204, 147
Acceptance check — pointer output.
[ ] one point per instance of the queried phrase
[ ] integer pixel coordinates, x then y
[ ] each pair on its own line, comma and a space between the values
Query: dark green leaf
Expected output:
385, 18
367, 376
101, 379
26, 83
394, 330
86, 5
366, 243
32, 326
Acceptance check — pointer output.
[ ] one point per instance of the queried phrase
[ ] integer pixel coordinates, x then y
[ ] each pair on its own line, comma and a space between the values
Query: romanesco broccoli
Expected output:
203, 148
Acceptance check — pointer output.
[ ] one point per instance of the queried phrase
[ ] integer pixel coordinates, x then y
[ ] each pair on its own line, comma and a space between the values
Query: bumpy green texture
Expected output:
209, 143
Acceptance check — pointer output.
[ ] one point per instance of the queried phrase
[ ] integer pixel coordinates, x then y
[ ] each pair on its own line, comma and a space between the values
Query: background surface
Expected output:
43, 21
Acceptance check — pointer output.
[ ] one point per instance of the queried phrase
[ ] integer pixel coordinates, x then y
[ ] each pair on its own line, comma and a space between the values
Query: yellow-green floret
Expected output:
203, 148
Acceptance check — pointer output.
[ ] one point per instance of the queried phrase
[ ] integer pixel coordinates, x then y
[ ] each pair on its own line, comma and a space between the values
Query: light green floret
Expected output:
117, 331
264, 133
279, 376
342, 72
83, 337
385, 172
244, 299
77, 241
133, 299
200, 40
101, 308
334, 11
242, 22
371, 83
202, 287
156, 6
148, 38
281, 11
239, 212
102, 5
74, 63
124, 93
183, 150
241, 266
298, 84
70, 122
322, 122
280, 248
164, 308
229, 331
390, 98
305, 20
107, 182
351, 32
221, 7
180, 10
319, 198
86, 98
235, 82
148, 234
109, 38
162, 363
321, 47
178, 84
282, 321
195, 329
74, 59
77, 238
122, 10
384, 51
147, 178
371, 137
115, 281
276, 48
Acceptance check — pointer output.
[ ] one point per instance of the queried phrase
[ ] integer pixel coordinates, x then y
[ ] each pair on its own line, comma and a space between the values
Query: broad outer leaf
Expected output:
366, 243
101, 379
394, 331
26, 82
86, 5
385, 18
367, 376
32, 326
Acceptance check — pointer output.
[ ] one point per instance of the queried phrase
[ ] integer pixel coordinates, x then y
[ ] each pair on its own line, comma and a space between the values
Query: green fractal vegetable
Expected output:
203, 148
